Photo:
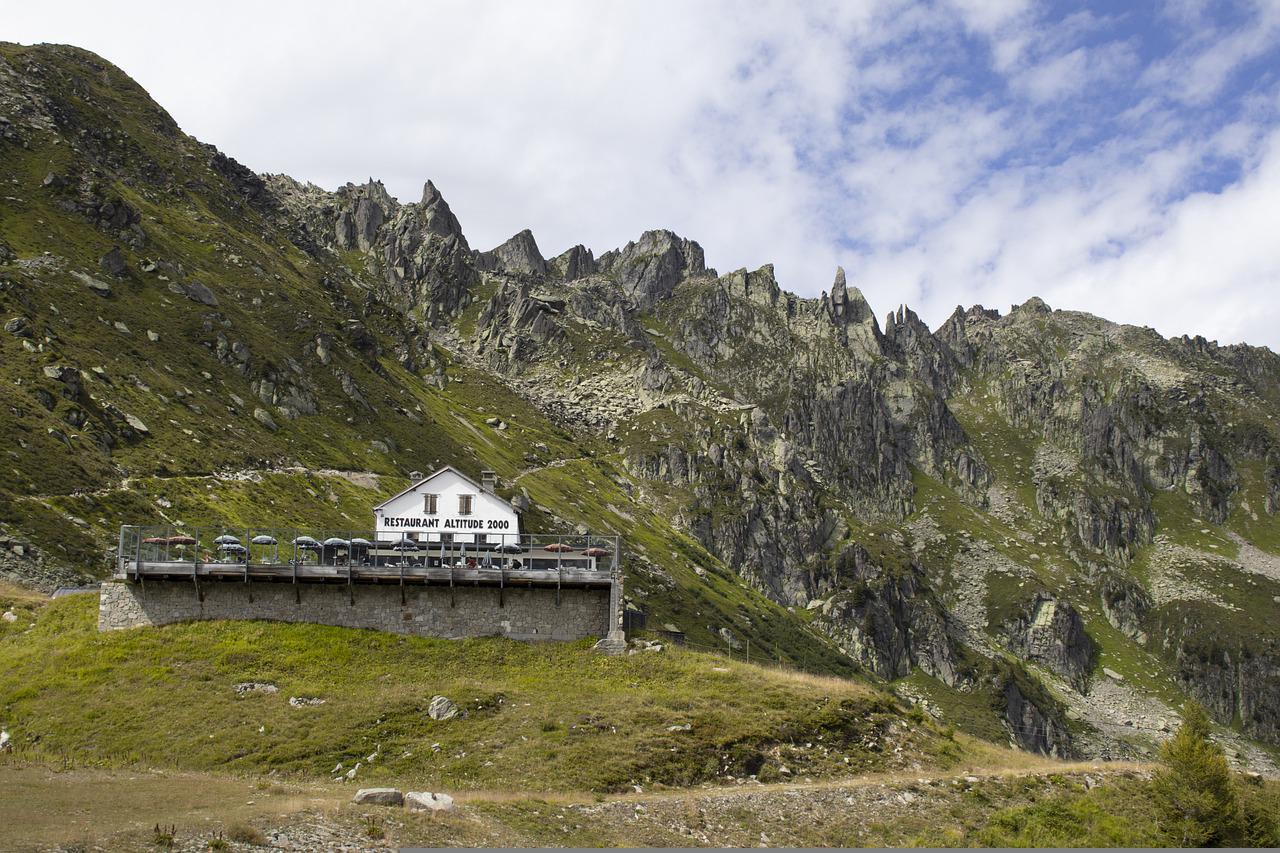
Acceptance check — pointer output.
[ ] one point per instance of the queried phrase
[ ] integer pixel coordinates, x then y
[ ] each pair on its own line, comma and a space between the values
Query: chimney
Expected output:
489, 480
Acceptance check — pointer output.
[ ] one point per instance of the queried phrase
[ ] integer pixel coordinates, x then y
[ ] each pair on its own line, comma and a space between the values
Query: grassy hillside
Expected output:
535, 717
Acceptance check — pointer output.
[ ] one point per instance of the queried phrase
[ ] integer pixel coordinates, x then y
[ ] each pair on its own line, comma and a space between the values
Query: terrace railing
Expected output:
141, 544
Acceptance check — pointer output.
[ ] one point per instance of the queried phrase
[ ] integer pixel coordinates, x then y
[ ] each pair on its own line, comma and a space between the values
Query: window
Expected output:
429, 504
464, 504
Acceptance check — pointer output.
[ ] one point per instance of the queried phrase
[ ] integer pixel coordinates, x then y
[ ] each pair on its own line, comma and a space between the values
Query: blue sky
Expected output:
1122, 159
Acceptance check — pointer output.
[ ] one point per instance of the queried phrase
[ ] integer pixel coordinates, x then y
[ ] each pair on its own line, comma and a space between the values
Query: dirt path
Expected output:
46, 807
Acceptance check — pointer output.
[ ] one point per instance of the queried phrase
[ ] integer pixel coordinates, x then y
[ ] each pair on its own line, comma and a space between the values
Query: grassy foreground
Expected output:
553, 717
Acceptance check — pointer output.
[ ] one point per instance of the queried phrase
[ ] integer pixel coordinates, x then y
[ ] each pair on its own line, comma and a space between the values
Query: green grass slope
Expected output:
534, 717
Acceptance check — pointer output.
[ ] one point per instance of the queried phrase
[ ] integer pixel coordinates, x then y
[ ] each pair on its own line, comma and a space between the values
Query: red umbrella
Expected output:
558, 548
155, 540
596, 551
182, 540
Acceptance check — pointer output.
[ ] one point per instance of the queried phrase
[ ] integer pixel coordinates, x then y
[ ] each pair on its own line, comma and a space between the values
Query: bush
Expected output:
1195, 795
163, 836
246, 834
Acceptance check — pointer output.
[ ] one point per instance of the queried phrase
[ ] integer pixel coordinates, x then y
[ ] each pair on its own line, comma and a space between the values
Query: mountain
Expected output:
1043, 527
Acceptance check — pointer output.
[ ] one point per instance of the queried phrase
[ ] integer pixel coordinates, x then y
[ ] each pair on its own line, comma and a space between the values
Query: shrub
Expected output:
163, 836
1194, 793
246, 834
373, 828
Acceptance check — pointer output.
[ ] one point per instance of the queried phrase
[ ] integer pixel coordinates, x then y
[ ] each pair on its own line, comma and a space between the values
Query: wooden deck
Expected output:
131, 570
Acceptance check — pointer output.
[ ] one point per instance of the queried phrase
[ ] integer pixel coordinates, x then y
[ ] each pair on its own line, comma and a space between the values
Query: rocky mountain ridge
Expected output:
1041, 525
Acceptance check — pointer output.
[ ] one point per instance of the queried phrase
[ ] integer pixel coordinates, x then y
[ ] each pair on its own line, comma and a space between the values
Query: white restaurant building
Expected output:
448, 507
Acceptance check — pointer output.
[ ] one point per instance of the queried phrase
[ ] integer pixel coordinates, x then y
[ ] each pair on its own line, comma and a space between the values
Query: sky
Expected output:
1121, 159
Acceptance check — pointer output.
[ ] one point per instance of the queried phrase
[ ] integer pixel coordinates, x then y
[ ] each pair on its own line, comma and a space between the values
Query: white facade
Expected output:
439, 505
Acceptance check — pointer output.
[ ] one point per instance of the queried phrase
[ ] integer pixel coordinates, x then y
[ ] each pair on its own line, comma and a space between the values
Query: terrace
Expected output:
349, 557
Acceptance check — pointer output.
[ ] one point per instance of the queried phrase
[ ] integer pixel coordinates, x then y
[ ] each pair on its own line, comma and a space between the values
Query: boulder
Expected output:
442, 708
425, 801
19, 326
378, 797
99, 287
136, 422
9, 616
112, 262
263, 417
198, 292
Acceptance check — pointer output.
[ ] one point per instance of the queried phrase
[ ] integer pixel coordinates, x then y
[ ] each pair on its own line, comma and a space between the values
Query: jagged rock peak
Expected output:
574, 263
1035, 306
439, 218
363, 210
648, 269
431, 195
519, 256
844, 305
372, 189
954, 332
759, 286
904, 322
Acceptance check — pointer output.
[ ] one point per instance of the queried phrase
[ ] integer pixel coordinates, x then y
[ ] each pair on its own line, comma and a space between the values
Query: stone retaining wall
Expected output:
526, 614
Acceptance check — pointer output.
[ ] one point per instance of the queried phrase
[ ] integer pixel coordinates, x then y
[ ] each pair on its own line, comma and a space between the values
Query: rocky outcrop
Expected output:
1035, 721
419, 250
1125, 604
889, 623
1235, 675
514, 325
1051, 633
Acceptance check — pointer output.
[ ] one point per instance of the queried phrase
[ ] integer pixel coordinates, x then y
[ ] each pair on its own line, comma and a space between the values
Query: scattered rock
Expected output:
611, 646
153, 336
425, 801
378, 797
304, 701
19, 326
442, 708
136, 422
1112, 674
247, 687
9, 616
6, 743
686, 727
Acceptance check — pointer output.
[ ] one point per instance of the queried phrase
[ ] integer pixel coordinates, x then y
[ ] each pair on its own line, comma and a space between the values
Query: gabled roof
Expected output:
437, 473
